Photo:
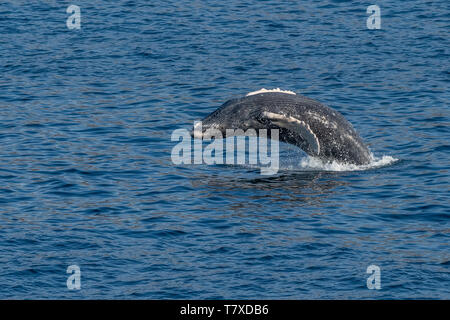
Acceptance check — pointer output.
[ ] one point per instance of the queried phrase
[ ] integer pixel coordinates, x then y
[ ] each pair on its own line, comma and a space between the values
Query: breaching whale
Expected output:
317, 129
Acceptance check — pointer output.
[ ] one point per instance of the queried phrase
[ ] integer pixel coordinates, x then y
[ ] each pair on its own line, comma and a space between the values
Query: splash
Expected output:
313, 163
292, 158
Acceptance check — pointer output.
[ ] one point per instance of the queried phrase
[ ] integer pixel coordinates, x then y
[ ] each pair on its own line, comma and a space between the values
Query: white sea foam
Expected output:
293, 158
263, 90
313, 163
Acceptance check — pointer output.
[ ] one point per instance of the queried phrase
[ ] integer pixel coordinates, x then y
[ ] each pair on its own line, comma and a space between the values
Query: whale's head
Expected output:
230, 115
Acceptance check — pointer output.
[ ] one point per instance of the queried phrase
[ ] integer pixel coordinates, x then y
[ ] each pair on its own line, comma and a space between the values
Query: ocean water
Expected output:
86, 176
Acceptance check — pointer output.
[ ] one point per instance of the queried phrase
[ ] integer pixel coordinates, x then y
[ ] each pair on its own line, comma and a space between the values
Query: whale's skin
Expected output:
312, 126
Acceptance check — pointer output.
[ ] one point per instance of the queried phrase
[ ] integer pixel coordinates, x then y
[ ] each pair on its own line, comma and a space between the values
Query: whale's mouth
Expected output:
201, 130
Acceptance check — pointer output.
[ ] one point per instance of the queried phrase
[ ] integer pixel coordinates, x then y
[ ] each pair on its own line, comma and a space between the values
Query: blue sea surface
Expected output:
86, 176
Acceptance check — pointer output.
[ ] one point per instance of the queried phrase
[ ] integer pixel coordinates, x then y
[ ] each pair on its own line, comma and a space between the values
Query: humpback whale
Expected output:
317, 129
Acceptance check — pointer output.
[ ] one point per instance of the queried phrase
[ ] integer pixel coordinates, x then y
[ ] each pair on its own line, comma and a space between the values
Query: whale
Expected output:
320, 131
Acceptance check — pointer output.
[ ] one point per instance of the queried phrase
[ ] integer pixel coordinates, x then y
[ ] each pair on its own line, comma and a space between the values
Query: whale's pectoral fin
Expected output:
311, 142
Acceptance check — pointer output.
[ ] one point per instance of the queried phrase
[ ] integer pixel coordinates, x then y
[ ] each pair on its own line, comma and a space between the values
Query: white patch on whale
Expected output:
295, 125
322, 120
263, 90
